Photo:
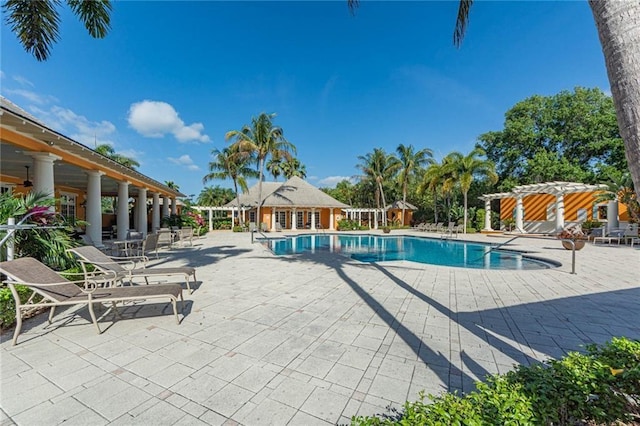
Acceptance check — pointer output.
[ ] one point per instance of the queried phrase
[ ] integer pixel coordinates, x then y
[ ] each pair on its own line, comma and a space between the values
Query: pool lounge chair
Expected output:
58, 291
88, 255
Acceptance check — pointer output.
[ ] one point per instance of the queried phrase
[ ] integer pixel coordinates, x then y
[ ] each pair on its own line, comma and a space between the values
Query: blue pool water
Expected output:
374, 248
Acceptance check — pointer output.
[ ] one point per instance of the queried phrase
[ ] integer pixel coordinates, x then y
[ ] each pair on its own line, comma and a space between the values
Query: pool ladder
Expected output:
573, 250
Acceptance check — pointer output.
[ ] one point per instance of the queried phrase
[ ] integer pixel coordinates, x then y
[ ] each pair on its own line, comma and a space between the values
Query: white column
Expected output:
142, 211
331, 220
123, 210
313, 219
294, 220
94, 207
613, 222
519, 215
487, 215
273, 218
43, 176
375, 219
210, 220
155, 218
360, 218
165, 206
244, 215
174, 206
559, 212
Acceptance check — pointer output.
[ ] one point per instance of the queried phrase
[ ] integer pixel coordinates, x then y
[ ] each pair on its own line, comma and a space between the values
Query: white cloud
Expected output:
1, 74
23, 81
185, 161
331, 181
31, 96
77, 127
155, 119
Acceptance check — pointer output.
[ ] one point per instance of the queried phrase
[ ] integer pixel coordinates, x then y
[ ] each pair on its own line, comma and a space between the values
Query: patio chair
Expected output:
608, 237
58, 291
451, 228
88, 255
184, 235
278, 227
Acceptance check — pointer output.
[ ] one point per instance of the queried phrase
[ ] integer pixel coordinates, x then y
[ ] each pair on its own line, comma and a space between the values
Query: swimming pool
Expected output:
375, 248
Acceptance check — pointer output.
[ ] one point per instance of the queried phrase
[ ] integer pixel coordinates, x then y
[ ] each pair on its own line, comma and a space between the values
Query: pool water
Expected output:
375, 248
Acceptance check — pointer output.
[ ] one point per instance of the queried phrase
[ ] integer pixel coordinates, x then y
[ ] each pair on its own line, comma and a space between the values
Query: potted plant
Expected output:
386, 229
575, 234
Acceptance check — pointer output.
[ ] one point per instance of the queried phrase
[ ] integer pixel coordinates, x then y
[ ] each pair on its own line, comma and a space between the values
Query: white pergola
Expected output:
558, 189
212, 209
356, 214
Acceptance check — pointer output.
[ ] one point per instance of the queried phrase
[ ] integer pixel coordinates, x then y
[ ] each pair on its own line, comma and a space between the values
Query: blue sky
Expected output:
172, 78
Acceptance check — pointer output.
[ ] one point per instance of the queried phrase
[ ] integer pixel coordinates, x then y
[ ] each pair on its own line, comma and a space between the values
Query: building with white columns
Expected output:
77, 176
549, 207
294, 204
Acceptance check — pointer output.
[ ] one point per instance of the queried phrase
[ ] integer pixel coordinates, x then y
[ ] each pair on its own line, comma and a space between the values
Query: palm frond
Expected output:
35, 23
95, 15
461, 21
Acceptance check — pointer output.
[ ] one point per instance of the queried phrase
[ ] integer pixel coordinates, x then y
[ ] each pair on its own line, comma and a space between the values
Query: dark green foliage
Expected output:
599, 387
570, 136
8, 305
350, 225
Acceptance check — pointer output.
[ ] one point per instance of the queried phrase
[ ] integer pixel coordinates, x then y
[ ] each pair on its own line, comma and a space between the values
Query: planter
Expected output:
579, 244
386, 230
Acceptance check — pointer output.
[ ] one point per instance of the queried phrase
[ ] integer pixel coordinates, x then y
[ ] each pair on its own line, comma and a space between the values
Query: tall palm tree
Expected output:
231, 163
293, 167
36, 23
621, 189
261, 139
464, 169
410, 162
108, 151
436, 179
378, 167
215, 196
619, 33
274, 166
171, 184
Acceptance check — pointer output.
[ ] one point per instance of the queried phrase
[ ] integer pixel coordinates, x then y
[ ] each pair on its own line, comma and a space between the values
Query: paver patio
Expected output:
312, 339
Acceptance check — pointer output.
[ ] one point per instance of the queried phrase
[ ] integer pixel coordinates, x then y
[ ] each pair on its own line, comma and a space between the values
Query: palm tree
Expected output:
108, 151
215, 196
293, 167
619, 32
410, 162
36, 23
620, 189
171, 184
261, 139
435, 179
274, 166
465, 168
378, 167
231, 163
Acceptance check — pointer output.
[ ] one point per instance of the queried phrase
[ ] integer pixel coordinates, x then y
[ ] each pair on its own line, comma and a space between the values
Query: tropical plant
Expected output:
231, 163
621, 189
108, 151
438, 178
49, 239
171, 184
36, 23
260, 140
465, 168
293, 167
410, 161
378, 167
215, 196
274, 166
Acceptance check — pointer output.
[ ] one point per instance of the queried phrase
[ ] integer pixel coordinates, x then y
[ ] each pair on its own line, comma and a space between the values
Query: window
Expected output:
252, 216
300, 220
5, 188
281, 218
68, 207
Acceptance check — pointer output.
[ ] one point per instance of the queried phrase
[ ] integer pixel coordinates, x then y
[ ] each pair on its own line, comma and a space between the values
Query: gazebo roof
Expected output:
553, 188
398, 205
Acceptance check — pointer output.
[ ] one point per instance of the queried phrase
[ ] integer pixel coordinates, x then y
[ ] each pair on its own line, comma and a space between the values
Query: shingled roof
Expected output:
293, 193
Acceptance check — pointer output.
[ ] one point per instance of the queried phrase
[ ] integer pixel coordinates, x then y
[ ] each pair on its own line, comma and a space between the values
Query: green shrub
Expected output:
599, 387
238, 228
350, 225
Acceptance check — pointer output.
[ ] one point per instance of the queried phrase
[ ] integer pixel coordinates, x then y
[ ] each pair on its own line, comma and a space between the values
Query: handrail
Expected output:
259, 232
572, 242
12, 228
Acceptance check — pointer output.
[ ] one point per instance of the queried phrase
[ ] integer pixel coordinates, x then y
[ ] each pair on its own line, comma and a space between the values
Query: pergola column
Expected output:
359, 217
210, 220
612, 216
43, 176
375, 219
313, 219
487, 215
559, 212
155, 213
294, 219
94, 206
123, 210
142, 211
519, 214
331, 219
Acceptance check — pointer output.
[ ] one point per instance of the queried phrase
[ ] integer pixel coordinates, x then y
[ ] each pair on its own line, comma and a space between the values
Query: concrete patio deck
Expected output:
312, 339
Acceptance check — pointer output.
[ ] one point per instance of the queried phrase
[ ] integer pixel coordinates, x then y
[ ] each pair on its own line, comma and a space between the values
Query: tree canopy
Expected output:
567, 136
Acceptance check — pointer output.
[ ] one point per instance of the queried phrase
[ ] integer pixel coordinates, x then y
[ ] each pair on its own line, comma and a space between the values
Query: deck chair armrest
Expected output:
128, 259
127, 264
90, 285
